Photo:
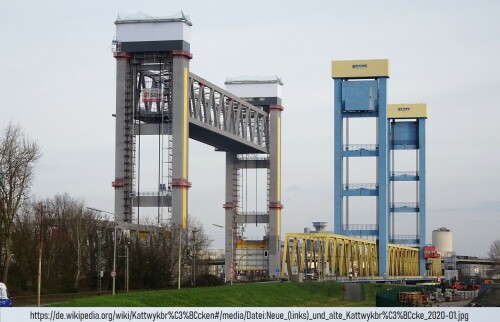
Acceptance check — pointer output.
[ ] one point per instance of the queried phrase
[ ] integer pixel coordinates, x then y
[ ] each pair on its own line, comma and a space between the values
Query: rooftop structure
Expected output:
140, 32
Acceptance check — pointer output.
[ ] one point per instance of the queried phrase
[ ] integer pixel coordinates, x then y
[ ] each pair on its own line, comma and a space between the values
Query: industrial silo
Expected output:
442, 238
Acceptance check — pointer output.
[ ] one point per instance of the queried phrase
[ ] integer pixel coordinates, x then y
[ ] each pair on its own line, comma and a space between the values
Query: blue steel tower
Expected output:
407, 133
361, 91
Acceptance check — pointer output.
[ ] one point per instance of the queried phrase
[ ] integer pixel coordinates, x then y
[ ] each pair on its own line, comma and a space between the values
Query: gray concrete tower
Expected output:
263, 92
152, 99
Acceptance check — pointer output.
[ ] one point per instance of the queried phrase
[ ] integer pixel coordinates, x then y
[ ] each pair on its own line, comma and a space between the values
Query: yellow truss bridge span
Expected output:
330, 255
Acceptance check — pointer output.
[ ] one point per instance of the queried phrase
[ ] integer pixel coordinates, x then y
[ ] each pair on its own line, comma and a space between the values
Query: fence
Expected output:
390, 297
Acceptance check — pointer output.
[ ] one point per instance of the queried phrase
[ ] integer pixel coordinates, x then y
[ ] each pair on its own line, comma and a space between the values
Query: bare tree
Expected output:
25, 246
494, 251
18, 156
154, 255
84, 224
71, 231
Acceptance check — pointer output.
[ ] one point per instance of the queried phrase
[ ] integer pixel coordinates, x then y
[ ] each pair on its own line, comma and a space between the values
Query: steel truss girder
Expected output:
339, 256
213, 109
403, 261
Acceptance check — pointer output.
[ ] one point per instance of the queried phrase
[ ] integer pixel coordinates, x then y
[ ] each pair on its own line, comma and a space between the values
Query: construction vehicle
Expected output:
459, 286
470, 283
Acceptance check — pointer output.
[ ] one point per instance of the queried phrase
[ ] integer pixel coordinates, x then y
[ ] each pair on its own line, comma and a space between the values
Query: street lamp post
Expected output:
126, 238
113, 273
232, 248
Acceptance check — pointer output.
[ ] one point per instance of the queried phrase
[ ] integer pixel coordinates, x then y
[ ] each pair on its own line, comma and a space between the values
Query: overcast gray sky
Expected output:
58, 83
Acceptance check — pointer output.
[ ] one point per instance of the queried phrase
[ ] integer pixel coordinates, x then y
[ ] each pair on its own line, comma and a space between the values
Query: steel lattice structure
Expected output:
332, 255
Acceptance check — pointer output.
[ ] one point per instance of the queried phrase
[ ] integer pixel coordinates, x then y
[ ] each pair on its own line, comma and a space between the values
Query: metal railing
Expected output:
404, 173
360, 227
151, 193
358, 147
404, 205
394, 238
252, 157
390, 297
354, 186
252, 213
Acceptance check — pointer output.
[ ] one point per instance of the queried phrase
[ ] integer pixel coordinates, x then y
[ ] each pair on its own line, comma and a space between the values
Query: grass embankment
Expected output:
237, 295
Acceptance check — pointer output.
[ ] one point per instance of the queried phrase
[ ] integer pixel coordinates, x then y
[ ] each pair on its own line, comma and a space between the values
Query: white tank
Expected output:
442, 238
254, 86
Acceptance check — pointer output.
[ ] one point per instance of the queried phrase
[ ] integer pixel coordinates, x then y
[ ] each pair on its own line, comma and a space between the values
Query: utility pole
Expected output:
40, 256
99, 261
127, 276
126, 243
113, 272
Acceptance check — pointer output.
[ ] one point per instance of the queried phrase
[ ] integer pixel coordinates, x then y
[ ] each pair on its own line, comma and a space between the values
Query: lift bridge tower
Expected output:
361, 92
152, 79
253, 257
158, 96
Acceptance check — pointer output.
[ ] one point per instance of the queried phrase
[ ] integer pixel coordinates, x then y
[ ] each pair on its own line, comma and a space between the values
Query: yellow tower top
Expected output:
406, 111
360, 68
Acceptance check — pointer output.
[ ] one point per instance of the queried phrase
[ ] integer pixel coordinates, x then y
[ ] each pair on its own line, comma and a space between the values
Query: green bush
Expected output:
208, 280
